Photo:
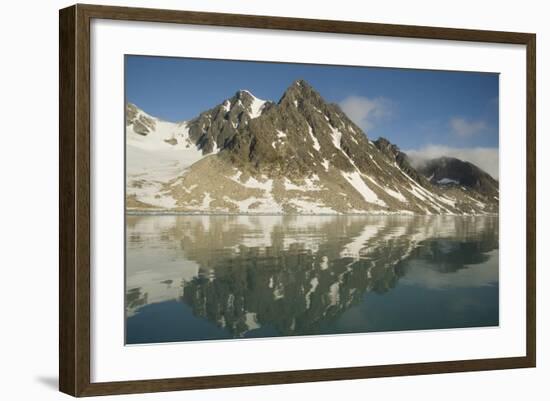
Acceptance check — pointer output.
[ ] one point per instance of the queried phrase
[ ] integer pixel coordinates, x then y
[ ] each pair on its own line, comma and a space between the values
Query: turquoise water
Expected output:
223, 277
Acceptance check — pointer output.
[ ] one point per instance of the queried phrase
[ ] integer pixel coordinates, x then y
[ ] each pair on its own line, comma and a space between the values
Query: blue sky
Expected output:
424, 112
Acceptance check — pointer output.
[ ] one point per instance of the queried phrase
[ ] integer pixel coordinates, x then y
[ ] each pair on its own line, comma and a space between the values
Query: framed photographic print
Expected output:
251, 200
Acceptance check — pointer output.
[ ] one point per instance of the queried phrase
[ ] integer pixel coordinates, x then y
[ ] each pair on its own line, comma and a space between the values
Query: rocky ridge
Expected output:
300, 155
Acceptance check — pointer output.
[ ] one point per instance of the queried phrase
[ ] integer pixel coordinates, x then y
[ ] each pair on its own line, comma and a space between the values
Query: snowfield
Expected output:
153, 160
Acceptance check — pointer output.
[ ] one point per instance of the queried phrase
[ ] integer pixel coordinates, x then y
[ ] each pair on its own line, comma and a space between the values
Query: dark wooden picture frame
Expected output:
74, 199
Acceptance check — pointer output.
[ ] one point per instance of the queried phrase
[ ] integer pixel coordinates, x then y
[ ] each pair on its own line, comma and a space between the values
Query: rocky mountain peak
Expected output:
300, 92
300, 85
386, 147
243, 95
299, 136
401, 159
245, 101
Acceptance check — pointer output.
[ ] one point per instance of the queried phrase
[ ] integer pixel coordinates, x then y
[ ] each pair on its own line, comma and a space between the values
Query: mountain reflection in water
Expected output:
220, 277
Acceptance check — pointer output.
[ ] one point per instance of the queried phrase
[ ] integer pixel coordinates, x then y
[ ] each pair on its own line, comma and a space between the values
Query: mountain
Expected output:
401, 159
448, 171
299, 155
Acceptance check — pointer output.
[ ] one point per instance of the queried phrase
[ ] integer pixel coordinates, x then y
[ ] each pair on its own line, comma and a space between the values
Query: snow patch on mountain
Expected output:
357, 182
226, 106
336, 137
256, 106
447, 181
316, 145
447, 201
396, 194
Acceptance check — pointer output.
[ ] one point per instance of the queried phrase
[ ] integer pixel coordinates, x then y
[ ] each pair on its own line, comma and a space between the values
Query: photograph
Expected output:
268, 199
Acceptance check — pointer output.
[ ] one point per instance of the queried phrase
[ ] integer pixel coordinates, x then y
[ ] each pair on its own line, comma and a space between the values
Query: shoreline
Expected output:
160, 212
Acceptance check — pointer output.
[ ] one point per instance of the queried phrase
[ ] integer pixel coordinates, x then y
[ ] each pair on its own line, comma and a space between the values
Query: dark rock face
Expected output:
445, 171
401, 158
298, 134
216, 128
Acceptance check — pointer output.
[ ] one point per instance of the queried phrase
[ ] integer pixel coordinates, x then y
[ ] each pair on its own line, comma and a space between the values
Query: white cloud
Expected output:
484, 158
366, 112
464, 128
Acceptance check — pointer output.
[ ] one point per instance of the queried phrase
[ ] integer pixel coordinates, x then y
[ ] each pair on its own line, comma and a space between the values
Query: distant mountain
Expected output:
445, 171
300, 155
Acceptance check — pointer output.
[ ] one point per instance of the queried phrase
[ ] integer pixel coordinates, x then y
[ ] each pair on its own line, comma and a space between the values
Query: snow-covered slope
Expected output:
157, 151
154, 156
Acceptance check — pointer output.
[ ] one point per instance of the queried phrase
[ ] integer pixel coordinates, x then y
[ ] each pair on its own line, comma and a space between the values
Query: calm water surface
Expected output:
222, 277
